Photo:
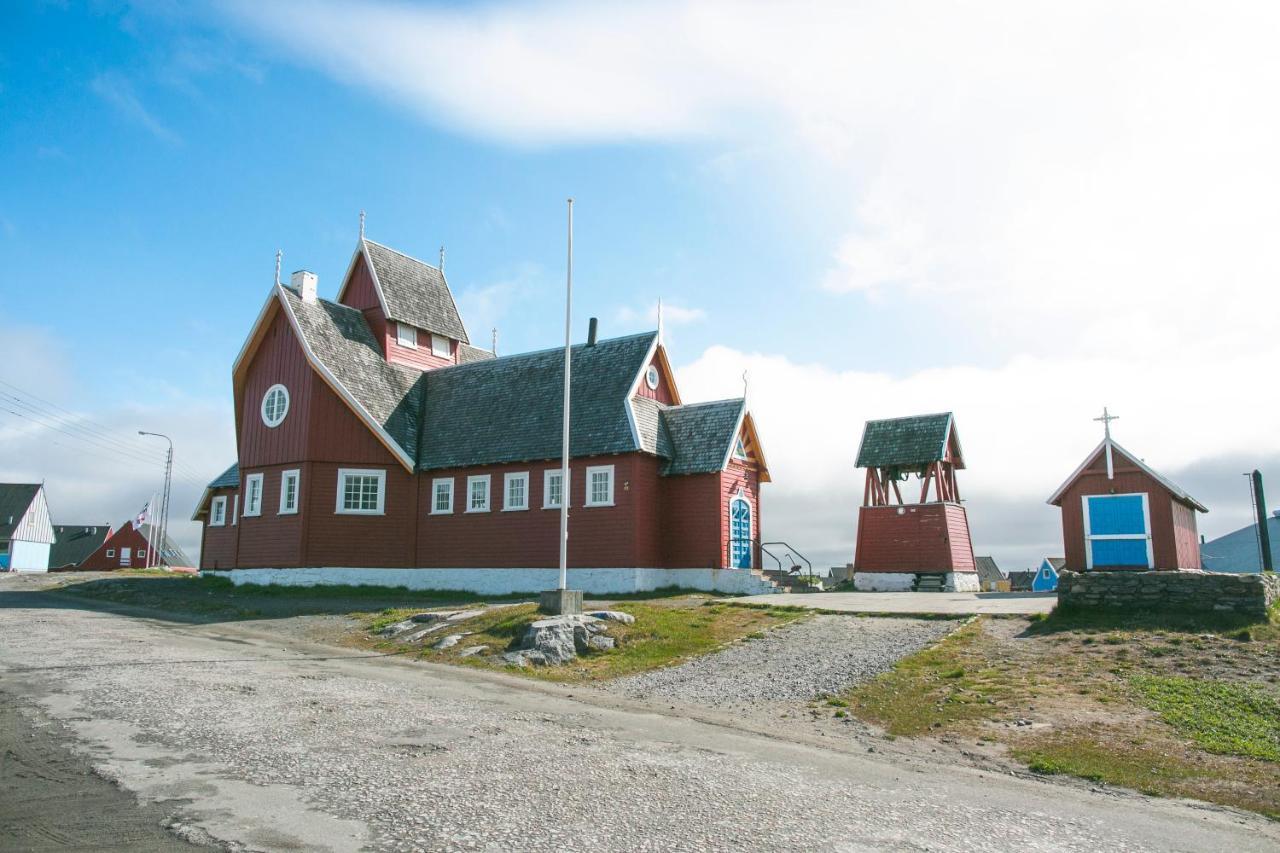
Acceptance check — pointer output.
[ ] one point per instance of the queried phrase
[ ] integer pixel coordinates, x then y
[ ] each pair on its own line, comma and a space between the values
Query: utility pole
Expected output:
168, 477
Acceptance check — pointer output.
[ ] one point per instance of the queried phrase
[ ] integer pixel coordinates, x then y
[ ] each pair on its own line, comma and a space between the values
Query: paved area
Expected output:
923, 603
818, 657
266, 742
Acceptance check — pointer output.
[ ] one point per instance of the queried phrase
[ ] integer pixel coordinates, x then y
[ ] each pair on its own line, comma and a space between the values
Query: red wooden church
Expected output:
906, 544
1118, 513
377, 445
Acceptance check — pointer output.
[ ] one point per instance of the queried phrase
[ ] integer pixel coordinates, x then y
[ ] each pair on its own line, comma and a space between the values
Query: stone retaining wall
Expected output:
1186, 591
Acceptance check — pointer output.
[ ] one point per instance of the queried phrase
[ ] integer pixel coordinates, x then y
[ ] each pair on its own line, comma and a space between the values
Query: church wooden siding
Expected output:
279, 359
929, 537
691, 510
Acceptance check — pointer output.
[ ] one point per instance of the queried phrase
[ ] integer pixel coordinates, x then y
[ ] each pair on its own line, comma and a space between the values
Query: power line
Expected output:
63, 421
100, 446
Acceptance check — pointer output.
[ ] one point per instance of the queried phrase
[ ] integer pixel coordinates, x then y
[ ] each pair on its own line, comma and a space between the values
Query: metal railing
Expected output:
787, 558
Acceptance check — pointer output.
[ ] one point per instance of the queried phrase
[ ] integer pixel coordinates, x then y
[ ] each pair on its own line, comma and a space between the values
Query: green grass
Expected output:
1229, 719
661, 636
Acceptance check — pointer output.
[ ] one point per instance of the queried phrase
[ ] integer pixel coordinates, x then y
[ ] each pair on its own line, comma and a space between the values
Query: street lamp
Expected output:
164, 501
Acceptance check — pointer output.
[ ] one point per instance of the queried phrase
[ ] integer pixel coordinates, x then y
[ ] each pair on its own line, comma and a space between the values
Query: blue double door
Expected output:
1117, 531
740, 533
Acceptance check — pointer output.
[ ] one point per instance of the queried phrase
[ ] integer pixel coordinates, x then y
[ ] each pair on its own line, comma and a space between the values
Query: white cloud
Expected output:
119, 93
672, 315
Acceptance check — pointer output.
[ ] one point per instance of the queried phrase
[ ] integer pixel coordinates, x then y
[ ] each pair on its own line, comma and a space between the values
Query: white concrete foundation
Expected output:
506, 581
905, 581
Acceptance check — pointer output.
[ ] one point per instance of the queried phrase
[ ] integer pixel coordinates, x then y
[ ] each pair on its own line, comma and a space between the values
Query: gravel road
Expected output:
276, 744
822, 655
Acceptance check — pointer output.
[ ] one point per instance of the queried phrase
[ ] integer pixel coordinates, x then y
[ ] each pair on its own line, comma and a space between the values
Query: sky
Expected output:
1016, 211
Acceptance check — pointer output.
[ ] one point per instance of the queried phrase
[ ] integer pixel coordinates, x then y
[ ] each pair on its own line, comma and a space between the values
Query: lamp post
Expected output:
164, 501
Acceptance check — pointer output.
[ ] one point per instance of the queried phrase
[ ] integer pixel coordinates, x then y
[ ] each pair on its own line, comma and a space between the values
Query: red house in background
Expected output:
376, 445
919, 545
132, 547
1118, 514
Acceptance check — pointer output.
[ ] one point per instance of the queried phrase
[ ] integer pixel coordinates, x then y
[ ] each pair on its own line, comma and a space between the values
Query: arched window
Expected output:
740, 538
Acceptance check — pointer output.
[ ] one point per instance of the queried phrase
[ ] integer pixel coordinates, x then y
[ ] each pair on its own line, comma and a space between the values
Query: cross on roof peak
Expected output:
1106, 419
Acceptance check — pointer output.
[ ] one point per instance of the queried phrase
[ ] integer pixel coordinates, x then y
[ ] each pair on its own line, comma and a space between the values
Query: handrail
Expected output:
791, 549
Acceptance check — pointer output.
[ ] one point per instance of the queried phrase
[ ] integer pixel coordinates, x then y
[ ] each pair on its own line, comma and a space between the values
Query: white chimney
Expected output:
304, 281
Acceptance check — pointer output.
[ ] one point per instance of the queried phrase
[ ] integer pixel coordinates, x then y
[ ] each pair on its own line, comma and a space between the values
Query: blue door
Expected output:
740, 533
1117, 531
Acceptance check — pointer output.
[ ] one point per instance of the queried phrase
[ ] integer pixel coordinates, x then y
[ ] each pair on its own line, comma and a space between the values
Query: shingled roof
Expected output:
15, 499
702, 434
229, 478
415, 292
905, 442
342, 341
508, 409
75, 542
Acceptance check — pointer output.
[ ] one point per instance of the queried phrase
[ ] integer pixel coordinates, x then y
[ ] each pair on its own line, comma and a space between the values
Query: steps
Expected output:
930, 583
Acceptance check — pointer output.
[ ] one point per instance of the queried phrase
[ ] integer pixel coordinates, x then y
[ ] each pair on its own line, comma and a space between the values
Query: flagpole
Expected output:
564, 466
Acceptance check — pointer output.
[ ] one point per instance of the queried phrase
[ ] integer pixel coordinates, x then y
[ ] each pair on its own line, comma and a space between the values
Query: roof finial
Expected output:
442, 258
362, 225
746, 384
279, 255
1106, 419
659, 319
495, 341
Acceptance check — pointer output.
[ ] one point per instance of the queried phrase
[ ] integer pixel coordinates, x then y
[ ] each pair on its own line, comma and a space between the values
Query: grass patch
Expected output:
663, 634
1230, 719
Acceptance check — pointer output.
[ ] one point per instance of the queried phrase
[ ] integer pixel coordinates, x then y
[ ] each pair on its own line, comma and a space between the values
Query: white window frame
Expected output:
262, 408
111, 553
507, 480
141, 555
250, 510
435, 494
652, 377
488, 492
592, 470
1090, 538
235, 509
547, 476
406, 336
441, 346
285, 476
218, 511
379, 473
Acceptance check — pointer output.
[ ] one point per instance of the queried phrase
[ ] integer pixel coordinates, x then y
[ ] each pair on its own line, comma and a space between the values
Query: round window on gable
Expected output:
651, 378
275, 405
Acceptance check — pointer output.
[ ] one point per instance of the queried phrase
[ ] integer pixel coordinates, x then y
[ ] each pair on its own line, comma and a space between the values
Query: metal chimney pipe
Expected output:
591, 332
1264, 535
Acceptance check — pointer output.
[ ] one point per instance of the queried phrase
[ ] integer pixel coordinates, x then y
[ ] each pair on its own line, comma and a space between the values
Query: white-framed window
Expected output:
111, 553
361, 491
600, 485
440, 346
252, 495
552, 493
126, 556
275, 405
515, 491
442, 496
289, 481
740, 450
478, 493
651, 377
406, 336
218, 511
235, 508
142, 555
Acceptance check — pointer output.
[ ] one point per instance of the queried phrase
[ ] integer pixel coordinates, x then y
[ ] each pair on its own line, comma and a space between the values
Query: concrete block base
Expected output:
560, 602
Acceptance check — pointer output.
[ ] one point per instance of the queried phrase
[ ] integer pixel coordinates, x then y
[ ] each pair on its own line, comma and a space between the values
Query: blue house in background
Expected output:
1046, 579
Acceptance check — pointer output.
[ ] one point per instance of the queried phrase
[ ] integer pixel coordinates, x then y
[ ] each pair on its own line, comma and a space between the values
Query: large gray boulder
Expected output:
614, 616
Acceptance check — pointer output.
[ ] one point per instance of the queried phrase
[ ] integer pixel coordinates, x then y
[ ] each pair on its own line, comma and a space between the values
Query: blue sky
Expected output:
1021, 215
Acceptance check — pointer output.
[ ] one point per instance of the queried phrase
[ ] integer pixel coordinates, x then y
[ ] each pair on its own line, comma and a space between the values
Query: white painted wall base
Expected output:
29, 556
883, 581
903, 581
505, 581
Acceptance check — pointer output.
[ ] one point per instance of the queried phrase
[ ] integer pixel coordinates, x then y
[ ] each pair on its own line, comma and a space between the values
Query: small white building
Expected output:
26, 533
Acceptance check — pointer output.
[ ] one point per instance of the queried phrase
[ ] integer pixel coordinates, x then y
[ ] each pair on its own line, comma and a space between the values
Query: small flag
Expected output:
142, 516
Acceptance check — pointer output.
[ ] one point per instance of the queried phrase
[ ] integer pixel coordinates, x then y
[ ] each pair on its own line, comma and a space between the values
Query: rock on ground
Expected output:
803, 661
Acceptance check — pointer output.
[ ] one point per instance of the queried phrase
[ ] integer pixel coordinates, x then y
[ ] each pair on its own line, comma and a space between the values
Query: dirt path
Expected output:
278, 744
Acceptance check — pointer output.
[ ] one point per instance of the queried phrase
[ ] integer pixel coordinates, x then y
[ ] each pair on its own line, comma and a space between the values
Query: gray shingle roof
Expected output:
467, 354
700, 435
228, 479
987, 569
15, 499
508, 409
415, 292
75, 542
341, 339
654, 437
1021, 581
911, 441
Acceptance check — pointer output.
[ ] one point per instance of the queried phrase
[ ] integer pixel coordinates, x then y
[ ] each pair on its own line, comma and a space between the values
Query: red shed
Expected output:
921, 545
1120, 514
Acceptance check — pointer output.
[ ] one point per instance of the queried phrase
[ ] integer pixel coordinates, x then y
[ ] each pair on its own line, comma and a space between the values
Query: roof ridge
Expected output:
706, 403
515, 355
